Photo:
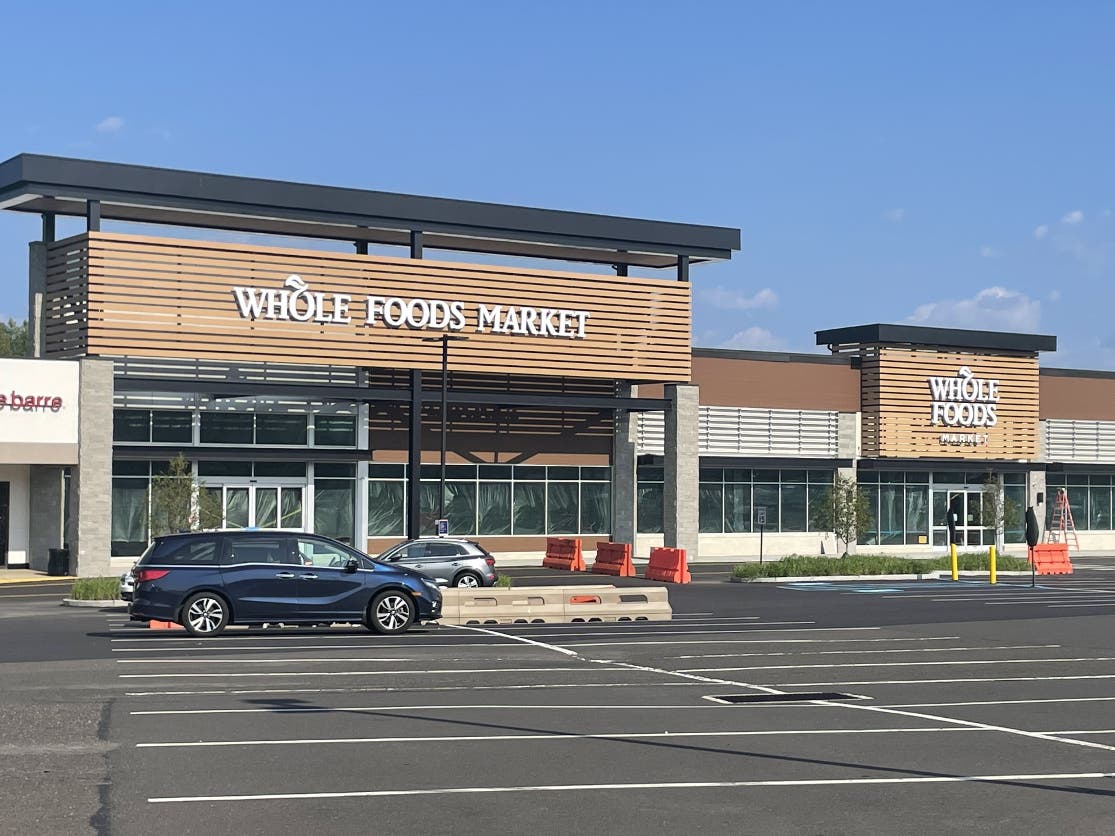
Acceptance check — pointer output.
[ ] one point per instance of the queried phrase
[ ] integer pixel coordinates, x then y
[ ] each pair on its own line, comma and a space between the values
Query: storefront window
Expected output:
172, 427
131, 425
335, 430
494, 508
891, 530
711, 508
386, 505
917, 515
226, 428
596, 507
129, 516
334, 507
562, 508
649, 508
529, 507
737, 508
281, 430
793, 507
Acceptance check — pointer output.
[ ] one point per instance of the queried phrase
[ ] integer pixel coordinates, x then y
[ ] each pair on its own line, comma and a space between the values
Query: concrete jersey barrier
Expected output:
555, 605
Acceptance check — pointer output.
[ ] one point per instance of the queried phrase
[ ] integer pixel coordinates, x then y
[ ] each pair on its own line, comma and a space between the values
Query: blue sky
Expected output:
947, 163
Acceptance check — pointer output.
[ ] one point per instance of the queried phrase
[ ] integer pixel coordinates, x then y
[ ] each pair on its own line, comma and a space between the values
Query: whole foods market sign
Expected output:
296, 302
964, 401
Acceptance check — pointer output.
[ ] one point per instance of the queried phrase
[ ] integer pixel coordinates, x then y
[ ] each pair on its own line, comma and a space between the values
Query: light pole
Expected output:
444, 339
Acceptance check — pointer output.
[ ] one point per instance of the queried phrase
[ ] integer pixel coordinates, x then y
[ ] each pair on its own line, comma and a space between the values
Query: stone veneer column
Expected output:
36, 293
682, 461
46, 512
91, 482
623, 472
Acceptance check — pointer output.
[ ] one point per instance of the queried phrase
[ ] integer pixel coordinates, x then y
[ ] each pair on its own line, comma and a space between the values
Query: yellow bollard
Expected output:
952, 557
991, 566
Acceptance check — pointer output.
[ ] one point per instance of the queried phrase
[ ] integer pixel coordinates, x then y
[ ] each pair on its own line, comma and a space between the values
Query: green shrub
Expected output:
96, 589
871, 564
504, 581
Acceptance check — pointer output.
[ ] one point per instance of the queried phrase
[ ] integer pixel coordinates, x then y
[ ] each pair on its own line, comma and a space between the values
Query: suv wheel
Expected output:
205, 614
391, 612
468, 580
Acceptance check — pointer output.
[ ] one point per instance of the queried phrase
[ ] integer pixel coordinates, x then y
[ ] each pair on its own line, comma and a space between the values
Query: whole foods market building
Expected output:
303, 385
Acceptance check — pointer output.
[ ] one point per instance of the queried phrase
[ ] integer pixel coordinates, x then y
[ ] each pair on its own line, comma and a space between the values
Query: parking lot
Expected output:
964, 715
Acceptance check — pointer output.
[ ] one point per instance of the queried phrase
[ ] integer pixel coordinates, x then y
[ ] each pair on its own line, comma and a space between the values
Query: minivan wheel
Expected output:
205, 614
391, 612
468, 580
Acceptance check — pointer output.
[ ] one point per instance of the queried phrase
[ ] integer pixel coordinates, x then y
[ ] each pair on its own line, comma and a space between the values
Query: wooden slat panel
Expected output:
156, 297
897, 404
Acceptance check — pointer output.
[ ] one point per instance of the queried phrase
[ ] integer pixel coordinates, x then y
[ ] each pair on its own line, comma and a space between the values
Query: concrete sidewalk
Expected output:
9, 576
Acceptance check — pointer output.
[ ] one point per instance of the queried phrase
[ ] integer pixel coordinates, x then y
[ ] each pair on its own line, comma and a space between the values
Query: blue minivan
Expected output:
207, 580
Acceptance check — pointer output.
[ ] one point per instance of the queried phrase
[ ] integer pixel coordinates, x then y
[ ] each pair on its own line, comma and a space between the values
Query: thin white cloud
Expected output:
1041, 231
110, 125
895, 216
991, 308
755, 339
990, 252
723, 297
1073, 217
1054, 296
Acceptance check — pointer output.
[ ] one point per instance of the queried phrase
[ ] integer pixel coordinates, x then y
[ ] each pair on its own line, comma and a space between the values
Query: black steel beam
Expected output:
883, 334
225, 390
414, 458
160, 188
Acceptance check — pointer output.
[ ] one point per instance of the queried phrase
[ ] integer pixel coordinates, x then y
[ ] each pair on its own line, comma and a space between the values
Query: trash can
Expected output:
59, 562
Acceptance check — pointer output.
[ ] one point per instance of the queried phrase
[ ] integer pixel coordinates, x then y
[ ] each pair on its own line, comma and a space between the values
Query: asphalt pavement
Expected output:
865, 708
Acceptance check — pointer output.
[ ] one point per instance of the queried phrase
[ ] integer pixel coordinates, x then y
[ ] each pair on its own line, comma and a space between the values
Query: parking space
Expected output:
618, 728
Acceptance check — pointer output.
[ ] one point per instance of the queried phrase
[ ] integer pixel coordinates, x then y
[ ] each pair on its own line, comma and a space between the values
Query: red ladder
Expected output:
1063, 527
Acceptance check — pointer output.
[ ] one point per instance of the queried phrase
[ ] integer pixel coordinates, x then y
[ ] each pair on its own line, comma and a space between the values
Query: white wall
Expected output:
19, 511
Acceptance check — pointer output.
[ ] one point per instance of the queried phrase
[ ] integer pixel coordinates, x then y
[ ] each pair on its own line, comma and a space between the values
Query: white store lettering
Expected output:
296, 302
963, 401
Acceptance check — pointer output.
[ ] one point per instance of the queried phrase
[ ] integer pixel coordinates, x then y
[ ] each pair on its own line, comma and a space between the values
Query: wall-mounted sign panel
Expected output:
38, 411
117, 295
926, 403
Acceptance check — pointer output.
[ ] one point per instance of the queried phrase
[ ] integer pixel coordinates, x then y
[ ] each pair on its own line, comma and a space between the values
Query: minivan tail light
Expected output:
491, 561
145, 575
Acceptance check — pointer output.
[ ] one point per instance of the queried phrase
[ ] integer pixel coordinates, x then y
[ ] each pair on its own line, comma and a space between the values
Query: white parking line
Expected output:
998, 702
410, 690
1073, 606
948, 681
439, 672
371, 709
864, 652
1048, 603
817, 782
321, 741
919, 663
317, 660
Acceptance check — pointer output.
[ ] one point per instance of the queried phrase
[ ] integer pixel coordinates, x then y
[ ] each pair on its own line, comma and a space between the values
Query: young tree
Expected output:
13, 338
998, 510
178, 504
843, 510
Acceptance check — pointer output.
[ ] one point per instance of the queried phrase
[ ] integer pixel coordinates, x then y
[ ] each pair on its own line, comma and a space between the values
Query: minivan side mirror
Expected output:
352, 565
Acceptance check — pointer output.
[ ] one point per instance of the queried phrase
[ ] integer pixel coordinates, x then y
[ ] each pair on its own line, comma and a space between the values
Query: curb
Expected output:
44, 579
115, 604
936, 575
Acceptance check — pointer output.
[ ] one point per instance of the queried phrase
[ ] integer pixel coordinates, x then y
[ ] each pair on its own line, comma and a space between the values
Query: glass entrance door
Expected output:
260, 506
967, 502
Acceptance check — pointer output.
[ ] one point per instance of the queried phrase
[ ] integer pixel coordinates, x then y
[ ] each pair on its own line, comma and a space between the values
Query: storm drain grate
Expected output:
809, 696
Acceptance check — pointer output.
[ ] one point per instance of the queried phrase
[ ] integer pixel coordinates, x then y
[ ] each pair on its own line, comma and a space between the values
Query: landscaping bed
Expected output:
801, 566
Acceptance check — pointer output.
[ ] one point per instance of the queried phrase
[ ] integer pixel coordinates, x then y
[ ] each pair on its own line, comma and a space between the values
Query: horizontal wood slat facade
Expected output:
123, 295
896, 404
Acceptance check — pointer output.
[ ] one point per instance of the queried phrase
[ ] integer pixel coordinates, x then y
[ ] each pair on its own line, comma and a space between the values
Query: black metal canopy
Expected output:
143, 194
880, 334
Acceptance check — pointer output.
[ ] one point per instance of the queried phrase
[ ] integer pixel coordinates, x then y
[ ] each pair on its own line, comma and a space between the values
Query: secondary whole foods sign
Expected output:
964, 401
